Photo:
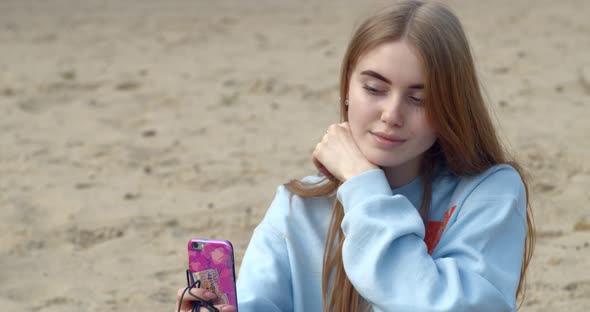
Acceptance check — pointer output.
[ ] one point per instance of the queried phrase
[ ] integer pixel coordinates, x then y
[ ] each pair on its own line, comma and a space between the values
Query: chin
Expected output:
384, 160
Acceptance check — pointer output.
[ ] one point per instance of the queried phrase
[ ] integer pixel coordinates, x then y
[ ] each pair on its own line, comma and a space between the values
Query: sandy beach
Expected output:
129, 127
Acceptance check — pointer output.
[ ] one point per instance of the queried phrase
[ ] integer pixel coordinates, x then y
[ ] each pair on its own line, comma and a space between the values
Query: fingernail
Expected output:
228, 309
210, 295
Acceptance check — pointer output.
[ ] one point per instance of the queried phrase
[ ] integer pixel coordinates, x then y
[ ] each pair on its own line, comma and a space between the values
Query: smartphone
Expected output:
212, 263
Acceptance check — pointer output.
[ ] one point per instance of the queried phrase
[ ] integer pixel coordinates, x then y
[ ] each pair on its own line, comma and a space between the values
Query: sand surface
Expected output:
129, 127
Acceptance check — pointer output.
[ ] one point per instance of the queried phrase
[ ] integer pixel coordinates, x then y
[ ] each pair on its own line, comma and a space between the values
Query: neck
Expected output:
403, 174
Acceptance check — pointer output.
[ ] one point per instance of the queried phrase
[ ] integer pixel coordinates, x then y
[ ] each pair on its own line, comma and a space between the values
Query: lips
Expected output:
387, 141
389, 137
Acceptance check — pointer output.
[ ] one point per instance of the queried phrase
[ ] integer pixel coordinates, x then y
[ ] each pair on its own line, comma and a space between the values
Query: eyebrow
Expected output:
376, 75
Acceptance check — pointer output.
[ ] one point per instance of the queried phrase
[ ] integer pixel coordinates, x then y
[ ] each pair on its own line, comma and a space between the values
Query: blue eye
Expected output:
416, 100
372, 90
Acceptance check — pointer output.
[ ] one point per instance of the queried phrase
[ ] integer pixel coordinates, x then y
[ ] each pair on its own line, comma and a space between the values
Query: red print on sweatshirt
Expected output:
434, 230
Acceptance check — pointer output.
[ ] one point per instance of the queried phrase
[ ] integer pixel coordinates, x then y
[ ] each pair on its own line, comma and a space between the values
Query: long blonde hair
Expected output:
467, 141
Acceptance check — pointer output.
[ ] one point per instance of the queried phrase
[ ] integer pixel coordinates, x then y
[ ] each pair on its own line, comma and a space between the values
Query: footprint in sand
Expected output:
583, 224
149, 133
261, 41
53, 302
541, 234
128, 86
501, 70
86, 238
544, 187
30, 105
45, 38
578, 289
8, 92
229, 99
68, 75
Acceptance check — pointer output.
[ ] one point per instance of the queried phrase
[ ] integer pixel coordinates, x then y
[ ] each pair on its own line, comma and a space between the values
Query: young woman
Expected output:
417, 207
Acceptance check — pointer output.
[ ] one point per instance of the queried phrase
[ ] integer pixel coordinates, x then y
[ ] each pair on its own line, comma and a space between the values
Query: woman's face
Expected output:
386, 111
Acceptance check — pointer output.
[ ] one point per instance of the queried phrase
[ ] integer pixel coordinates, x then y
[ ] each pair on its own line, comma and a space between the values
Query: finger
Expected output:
325, 136
321, 168
344, 126
318, 164
191, 295
224, 308
183, 307
333, 128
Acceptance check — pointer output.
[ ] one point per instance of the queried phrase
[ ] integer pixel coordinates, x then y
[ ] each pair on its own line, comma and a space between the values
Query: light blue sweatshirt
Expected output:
467, 258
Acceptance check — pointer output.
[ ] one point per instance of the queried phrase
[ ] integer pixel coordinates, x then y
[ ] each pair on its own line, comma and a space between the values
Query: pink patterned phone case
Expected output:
212, 263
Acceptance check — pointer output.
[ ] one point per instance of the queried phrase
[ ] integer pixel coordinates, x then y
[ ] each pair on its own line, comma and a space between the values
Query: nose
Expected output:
392, 112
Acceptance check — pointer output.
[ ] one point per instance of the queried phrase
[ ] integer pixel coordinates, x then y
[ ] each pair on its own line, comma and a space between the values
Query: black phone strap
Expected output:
200, 303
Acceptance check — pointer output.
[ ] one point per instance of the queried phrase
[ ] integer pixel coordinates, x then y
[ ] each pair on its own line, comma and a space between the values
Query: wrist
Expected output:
359, 170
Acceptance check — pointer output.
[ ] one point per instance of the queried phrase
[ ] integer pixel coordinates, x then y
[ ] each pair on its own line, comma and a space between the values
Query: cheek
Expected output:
421, 126
357, 118
361, 111
428, 134
356, 123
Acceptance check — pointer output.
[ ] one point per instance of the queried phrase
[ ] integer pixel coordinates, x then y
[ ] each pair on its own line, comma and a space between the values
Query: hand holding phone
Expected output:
211, 263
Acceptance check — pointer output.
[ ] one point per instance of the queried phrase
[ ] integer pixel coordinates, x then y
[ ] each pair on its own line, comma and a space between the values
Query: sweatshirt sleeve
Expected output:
475, 267
264, 282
